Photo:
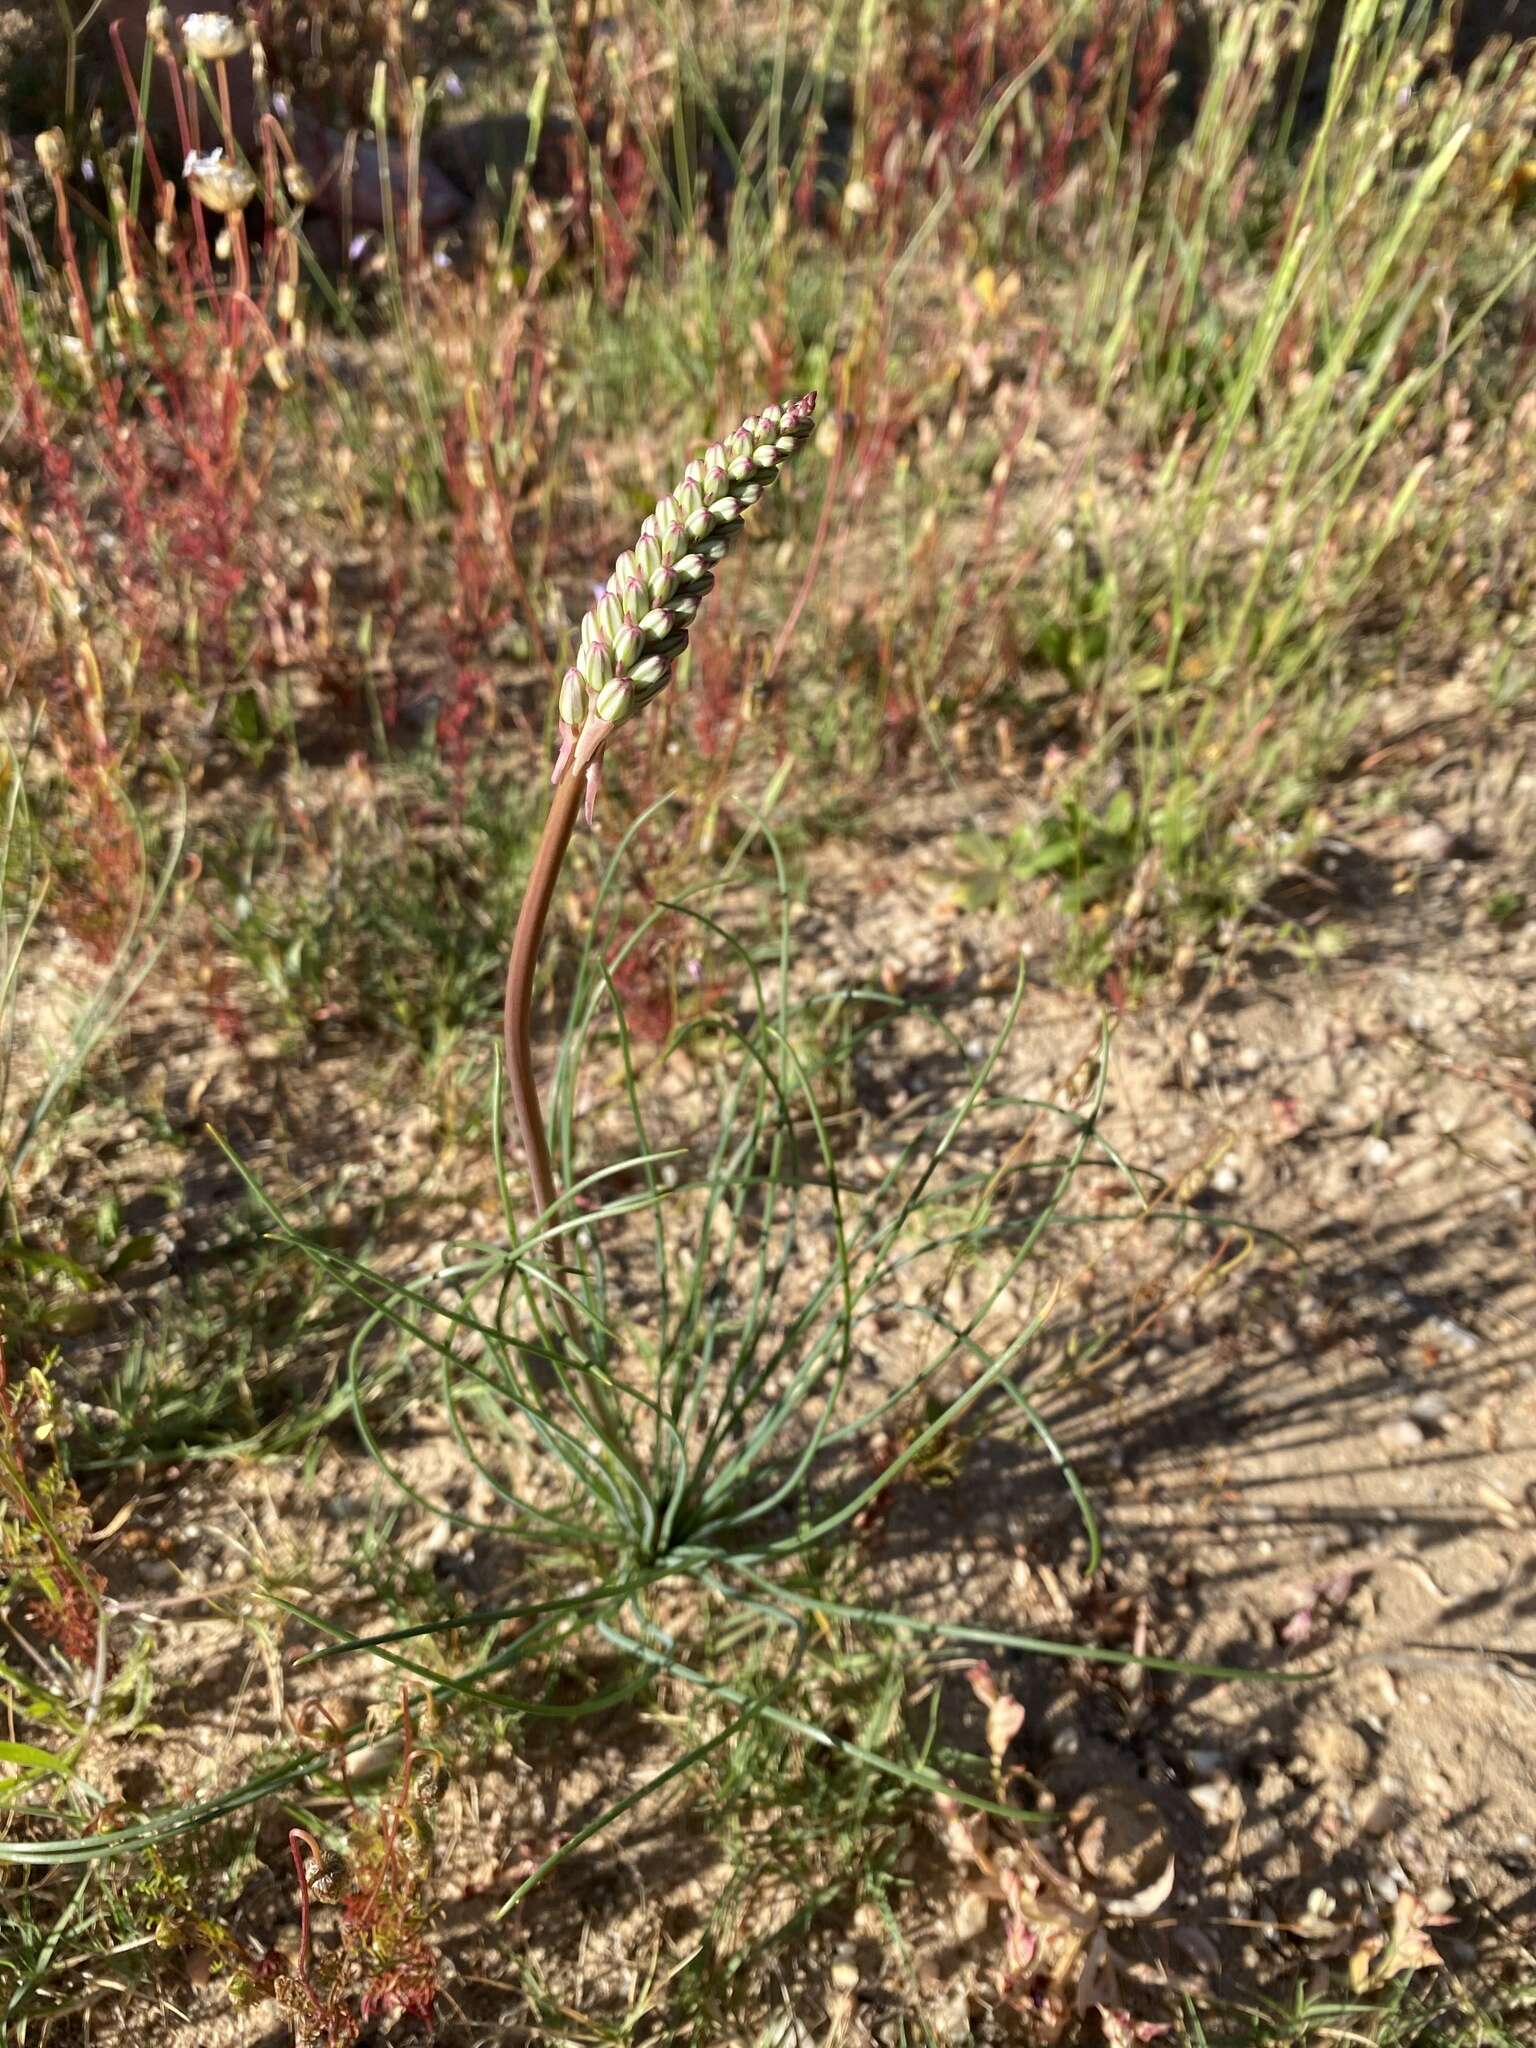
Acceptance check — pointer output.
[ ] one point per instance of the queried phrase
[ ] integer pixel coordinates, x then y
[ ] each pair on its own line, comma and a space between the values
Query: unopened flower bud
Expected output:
299, 184
699, 525
614, 700
656, 625
628, 646
594, 665
573, 698
663, 584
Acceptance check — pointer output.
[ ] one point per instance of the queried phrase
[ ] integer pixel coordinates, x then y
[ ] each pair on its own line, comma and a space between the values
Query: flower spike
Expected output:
639, 625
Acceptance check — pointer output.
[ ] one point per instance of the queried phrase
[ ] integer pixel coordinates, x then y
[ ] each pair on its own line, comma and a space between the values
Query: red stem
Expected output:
518, 1011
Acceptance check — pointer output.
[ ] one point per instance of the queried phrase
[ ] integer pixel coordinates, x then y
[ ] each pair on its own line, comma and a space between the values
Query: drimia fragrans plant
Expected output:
659, 1385
629, 642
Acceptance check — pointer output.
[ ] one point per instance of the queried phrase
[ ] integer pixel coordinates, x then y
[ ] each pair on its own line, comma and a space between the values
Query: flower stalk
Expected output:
630, 642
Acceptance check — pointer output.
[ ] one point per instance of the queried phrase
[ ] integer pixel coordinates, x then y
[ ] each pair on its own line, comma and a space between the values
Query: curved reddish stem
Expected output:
518, 1009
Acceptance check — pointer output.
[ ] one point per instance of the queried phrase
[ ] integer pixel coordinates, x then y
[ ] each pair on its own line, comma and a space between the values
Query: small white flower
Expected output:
453, 85
212, 37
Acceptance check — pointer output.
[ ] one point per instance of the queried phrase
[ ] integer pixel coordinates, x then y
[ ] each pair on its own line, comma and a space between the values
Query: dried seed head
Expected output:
300, 185
212, 37
52, 152
222, 187
327, 1877
639, 623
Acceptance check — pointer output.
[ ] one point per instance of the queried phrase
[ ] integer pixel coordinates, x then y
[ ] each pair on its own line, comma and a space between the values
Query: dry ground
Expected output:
1311, 1437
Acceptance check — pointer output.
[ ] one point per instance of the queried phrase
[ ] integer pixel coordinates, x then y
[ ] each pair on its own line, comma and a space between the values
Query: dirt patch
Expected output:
1306, 1412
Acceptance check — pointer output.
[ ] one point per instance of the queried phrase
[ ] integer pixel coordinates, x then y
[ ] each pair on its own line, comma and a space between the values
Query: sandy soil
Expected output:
1307, 1417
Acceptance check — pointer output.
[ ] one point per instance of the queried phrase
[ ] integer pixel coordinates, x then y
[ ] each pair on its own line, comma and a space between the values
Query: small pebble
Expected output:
1376, 1810
1402, 1433
1210, 1800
